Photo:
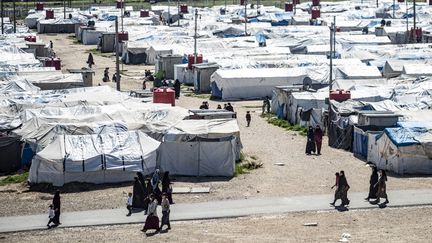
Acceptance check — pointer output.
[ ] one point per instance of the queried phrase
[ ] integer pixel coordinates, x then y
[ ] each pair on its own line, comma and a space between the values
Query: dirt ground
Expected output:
389, 225
301, 175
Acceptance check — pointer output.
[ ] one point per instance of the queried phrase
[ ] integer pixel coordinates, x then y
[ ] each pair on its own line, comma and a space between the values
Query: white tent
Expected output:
201, 148
103, 158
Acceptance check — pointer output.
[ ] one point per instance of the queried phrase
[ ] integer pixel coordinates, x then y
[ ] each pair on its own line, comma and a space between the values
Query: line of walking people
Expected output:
377, 188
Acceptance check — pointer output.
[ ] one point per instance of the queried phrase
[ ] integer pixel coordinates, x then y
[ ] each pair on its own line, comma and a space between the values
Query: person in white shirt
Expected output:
50, 215
129, 204
152, 220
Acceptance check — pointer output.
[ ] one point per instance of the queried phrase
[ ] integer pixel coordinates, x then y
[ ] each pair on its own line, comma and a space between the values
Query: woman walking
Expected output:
166, 186
57, 206
382, 192
310, 145
152, 221
318, 134
343, 188
165, 212
372, 181
337, 191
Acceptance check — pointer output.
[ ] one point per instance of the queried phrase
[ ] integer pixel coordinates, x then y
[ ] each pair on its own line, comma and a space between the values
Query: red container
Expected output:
39, 6
316, 13
289, 7
123, 36
315, 2
191, 60
49, 14
242, 2
144, 13
120, 4
340, 95
296, 2
164, 95
53, 62
30, 38
184, 8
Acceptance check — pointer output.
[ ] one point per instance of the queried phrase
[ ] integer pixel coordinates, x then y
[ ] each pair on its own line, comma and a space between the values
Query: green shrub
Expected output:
14, 179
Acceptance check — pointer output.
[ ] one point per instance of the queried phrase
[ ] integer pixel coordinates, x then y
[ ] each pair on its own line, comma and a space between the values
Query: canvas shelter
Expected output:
97, 158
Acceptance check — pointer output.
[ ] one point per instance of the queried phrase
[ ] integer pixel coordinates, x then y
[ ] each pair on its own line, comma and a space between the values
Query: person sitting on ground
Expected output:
51, 45
230, 107
106, 75
225, 106
219, 107
383, 22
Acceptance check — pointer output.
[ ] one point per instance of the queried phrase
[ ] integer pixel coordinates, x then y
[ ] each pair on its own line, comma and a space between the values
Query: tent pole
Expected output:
245, 3
14, 16
2, 27
117, 55
195, 36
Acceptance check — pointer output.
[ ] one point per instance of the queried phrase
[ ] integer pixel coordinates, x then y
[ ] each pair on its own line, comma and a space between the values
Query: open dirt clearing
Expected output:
389, 225
301, 175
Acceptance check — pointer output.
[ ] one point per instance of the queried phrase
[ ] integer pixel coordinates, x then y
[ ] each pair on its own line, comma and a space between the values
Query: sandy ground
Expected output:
363, 226
301, 175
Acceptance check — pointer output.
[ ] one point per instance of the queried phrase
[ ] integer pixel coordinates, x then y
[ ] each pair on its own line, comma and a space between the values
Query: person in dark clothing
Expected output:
114, 77
57, 207
106, 75
310, 145
219, 107
144, 85
343, 188
51, 45
177, 88
204, 106
383, 22
372, 181
381, 185
165, 212
267, 99
248, 118
225, 106
230, 107
318, 134
138, 194
337, 192
90, 60
166, 186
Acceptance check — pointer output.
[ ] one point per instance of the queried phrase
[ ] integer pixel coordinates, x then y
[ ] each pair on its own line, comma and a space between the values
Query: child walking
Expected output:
248, 118
50, 215
129, 204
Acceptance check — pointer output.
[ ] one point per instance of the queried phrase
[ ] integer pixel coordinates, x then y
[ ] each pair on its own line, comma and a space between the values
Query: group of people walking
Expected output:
377, 187
147, 195
314, 140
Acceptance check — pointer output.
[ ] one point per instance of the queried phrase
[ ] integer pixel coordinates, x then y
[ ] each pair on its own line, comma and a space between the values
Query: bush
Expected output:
272, 119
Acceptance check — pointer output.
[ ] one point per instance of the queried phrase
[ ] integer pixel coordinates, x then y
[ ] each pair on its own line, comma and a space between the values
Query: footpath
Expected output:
217, 209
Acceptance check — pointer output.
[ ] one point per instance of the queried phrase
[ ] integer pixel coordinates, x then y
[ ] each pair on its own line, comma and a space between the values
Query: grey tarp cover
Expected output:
97, 158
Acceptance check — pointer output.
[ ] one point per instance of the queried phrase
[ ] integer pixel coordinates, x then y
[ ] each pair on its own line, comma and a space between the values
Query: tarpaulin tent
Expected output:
97, 158
201, 148
10, 154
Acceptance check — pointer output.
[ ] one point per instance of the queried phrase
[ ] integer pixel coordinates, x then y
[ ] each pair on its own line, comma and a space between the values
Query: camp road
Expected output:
216, 209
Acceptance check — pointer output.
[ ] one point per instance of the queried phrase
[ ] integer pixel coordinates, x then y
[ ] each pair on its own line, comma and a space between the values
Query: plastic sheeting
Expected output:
98, 158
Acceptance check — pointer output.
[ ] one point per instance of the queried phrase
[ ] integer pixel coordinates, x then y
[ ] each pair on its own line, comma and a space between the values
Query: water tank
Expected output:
120, 4
191, 60
316, 13
340, 95
123, 36
49, 14
144, 13
164, 95
39, 6
289, 7
53, 62
184, 8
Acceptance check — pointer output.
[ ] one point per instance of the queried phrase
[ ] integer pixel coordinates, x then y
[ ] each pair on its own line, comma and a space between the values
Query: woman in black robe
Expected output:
372, 182
148, 189
166, 186
57, 206
310, 145
138, 194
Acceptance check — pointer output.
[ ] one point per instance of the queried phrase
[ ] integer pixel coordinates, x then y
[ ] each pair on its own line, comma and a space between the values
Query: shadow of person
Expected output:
341, 208
152, 234
164, 231
382, 205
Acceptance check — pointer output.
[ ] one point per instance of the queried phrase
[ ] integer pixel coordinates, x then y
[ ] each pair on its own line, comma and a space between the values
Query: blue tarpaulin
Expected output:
401, 136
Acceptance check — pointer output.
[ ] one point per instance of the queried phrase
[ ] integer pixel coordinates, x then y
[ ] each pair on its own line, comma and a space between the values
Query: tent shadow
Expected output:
194, 179
74, 187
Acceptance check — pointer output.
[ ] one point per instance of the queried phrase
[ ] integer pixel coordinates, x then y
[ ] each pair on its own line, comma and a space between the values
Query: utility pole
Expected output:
169, 14
122, 12
394, 2
377, 3
334, 36
245, 3
14, 16
117, 55
195, 36
414, 32
2, 16
331, 56
178, 12
64, 9
407, 28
